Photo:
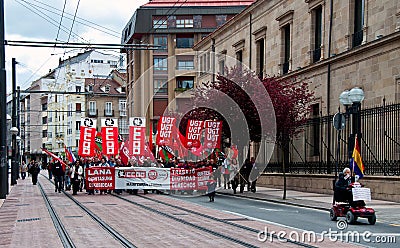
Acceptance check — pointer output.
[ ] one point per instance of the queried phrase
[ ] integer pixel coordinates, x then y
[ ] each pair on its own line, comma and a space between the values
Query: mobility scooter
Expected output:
344, 206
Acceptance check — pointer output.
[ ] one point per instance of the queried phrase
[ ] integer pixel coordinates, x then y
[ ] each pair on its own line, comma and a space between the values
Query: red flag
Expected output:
137, 136
55, 157
70, 156
165, 129
193, 132
109, 131
151, 137
213, 134
124, 153
87, 134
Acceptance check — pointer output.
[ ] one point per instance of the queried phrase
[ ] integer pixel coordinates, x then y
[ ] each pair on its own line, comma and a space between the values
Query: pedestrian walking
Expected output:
76, 176
67, 176
226, 172
58, 174
211, 186
34, 171
24, 169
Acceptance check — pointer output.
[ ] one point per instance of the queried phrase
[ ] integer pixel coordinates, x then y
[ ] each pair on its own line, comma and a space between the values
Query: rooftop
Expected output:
192, 3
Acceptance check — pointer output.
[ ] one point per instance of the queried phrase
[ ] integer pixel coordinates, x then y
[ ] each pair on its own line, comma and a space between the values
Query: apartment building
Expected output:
157, 78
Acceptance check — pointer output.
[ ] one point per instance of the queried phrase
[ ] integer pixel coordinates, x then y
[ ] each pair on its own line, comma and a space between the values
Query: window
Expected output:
49, 135
97, 61
44, 133
239, 57
160, 86
77, 125
122, 107
184, 22
317, 19
160, 64
92, 108
160, 22
184, 41
358, 22
44, 106
123, 126
107, 88
286, 49
260, 58
108, 109
185, 65
78, 88
222, 67
44, 120
78, 107
161, 41
90, 88
69, 107
185, 83
112, 63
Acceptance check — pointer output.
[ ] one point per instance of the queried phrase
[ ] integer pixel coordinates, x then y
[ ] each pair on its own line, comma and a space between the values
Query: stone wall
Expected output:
382, 188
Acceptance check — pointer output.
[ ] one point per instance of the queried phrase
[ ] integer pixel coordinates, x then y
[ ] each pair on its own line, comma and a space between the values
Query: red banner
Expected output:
202, 177
213, 134
124, 153
165, 129
100, 178
109, 134
193, 133
137, 139
183, 179
86, 142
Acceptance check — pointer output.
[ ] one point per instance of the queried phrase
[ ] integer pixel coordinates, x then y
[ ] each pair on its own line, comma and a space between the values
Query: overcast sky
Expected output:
22, 22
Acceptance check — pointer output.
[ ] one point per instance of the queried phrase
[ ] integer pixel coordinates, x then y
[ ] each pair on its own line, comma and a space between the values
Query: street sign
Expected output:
339, 121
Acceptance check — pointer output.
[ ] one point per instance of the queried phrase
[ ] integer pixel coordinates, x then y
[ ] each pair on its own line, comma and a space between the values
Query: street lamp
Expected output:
352, 99
14, 168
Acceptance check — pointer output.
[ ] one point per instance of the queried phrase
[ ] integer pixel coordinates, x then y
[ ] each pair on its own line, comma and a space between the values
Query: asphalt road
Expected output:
301, 218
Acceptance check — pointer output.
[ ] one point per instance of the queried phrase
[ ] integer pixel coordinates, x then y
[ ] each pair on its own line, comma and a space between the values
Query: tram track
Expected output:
208, 217
63, 234
59, 226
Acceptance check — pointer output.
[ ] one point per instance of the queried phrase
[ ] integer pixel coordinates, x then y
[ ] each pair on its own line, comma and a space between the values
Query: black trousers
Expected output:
75, 186
58, 180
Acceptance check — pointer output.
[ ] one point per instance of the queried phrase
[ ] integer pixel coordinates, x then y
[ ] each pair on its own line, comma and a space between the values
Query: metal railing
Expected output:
380, 144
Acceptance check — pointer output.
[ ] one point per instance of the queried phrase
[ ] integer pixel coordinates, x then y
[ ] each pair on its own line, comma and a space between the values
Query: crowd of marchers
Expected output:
69, 176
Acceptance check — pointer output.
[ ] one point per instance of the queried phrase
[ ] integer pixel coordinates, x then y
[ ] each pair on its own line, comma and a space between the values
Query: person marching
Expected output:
76, 176
34, 170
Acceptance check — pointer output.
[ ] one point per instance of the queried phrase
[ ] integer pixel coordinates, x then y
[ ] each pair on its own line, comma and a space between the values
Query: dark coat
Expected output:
57, 169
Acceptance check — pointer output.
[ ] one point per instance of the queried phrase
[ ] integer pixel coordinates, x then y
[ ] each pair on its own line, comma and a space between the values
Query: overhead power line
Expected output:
80, 45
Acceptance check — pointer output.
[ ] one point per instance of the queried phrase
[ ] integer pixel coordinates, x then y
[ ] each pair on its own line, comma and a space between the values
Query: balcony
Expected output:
93, 112
109, 113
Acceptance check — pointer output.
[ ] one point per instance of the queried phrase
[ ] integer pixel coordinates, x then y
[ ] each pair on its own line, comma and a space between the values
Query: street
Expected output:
294, 217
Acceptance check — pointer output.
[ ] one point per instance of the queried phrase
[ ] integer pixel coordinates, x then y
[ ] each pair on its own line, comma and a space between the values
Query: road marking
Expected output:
394, 224
279, 204
265, 221
273, 210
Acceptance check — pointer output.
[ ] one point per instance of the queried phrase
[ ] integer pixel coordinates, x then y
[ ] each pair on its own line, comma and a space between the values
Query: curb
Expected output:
276, 201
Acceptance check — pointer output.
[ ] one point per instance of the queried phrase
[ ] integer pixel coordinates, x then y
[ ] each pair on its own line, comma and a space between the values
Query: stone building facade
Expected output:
334, 45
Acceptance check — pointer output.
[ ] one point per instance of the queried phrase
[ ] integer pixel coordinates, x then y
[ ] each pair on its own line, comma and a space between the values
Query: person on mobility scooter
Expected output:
347, 207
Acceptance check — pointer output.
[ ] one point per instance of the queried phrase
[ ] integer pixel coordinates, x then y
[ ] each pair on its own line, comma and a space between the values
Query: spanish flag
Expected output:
358, 166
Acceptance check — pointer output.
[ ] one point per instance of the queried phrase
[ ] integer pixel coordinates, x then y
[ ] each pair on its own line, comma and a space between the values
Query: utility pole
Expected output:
3, 115
14, 129
19, 142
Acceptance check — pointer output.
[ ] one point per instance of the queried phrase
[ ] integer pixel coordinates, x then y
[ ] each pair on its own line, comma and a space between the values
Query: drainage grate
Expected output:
26, 220
88, 202
23, 204
110, 204
73, 216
